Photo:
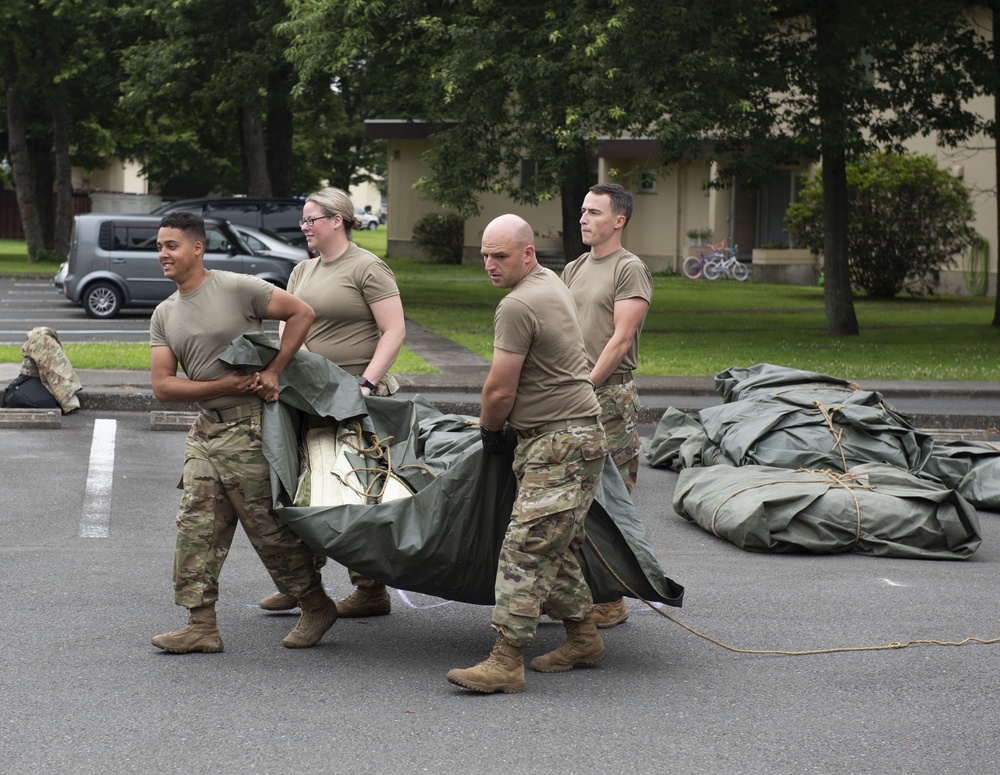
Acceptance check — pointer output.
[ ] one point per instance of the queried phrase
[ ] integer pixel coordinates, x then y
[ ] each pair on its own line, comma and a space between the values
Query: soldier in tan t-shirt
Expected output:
612, 289
539, 383
226, 476
359, 326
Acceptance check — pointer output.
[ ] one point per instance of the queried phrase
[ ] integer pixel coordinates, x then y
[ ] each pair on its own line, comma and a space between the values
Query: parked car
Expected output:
60, 277
265, 242
113, 261
368, 221
274, 214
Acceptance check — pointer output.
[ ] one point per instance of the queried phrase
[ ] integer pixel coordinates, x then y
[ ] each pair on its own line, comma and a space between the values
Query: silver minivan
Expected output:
113, 261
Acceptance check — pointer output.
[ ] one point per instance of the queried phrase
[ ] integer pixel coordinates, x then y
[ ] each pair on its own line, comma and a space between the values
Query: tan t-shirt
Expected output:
341, 292
199, 326
596, 284
537, 319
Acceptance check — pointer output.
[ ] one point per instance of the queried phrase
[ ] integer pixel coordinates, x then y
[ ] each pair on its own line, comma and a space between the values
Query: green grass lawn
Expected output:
701, 328
693, 328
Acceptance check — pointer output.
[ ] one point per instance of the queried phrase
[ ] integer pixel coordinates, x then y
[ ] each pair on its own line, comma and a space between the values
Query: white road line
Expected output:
96, 519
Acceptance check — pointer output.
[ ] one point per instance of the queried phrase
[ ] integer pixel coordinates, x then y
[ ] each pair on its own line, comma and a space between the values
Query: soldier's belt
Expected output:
558, 425
231, 413
617, 379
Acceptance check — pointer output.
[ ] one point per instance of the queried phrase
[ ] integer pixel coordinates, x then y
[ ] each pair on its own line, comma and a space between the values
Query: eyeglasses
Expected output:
310, 221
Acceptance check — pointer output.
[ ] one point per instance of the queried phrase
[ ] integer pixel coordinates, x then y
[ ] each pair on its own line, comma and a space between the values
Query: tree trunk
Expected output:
280, 131
64, 178
575, 184
840, 317
996, 150
20, 162
43, 179
839, 301
253, 148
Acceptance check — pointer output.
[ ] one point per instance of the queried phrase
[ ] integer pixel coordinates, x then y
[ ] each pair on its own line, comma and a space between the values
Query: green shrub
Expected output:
906, 220
441, 237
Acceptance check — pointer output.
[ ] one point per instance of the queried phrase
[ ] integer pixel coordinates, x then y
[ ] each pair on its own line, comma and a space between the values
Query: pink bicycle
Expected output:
694, 266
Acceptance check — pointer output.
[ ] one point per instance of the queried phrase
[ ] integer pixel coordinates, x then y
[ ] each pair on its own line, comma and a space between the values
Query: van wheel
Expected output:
373, 225
102, 301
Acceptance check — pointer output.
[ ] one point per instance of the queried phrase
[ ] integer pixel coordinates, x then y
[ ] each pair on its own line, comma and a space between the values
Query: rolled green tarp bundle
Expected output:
970, 467
872, 509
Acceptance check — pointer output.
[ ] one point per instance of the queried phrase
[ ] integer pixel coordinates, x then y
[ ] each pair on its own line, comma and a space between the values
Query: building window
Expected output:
647, 182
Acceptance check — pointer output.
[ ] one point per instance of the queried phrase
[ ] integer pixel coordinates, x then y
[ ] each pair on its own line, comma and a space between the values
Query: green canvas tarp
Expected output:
970, 467
787, 435
679, 442
445, 539
875, 509
775, 416
787, 418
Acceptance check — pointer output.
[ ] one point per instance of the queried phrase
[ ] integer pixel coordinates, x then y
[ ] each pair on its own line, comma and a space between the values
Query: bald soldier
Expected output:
539, 383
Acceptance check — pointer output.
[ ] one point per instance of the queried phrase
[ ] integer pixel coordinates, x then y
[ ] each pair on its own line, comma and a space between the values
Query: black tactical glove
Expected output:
494, 442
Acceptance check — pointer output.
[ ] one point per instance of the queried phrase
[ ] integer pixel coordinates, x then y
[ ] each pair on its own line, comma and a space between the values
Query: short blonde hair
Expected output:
334, 201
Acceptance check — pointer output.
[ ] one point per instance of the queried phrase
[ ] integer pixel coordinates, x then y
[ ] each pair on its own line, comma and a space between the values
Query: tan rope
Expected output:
838, 433
377, 450
892, 646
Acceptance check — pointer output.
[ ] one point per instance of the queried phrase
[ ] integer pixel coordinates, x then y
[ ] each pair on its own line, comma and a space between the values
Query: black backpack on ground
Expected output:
26, 392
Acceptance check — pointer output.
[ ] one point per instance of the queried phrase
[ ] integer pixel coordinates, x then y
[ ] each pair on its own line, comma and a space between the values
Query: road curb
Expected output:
144, 401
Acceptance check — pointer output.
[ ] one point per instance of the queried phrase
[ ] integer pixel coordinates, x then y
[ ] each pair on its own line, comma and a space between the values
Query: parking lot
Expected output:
86, 540
25, 304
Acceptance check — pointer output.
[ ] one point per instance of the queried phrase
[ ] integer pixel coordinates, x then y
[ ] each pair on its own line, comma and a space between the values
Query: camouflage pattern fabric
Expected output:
45, 358
388, 385
620, 418
557, 475
227, 481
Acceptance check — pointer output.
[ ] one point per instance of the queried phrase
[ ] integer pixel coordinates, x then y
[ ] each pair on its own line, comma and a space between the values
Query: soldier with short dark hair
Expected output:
538, 383
612, 289
226, 478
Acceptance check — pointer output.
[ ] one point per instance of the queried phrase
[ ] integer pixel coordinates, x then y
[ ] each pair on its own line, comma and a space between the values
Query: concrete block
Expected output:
162, 420
30, 418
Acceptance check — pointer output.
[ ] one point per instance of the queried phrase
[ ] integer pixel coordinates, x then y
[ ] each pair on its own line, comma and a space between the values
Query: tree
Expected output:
907, 220
501, 81
804, 79
186, 90
239, 123
54, 72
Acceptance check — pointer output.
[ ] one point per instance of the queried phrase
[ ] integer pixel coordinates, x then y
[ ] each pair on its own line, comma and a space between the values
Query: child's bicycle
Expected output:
694, 266
726, 264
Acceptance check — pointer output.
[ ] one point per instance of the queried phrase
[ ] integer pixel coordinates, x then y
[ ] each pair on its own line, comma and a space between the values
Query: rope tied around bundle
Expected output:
838, 433
379, 451
835, 479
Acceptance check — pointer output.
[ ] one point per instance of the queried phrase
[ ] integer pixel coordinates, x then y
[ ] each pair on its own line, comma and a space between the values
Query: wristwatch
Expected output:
366, 383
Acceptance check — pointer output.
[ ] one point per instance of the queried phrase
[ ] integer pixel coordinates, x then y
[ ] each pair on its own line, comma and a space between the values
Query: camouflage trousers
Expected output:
620, 418
557, 475
227, 481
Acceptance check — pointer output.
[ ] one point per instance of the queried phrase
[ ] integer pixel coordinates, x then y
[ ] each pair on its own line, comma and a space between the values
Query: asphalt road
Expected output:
86, 542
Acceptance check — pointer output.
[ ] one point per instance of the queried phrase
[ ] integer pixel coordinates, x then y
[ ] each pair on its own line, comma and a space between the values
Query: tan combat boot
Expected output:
607, 615
501, 671
201, 634
583, 647
279, 601
319, 613
365, 601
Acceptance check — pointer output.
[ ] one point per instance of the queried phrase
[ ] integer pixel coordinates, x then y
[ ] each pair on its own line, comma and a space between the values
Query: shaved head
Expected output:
511, 226
508, 250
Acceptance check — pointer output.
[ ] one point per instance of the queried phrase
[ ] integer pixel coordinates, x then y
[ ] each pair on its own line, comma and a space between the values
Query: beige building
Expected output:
669, 205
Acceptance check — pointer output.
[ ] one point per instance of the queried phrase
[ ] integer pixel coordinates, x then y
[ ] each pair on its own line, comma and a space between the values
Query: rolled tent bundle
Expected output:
872, 509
